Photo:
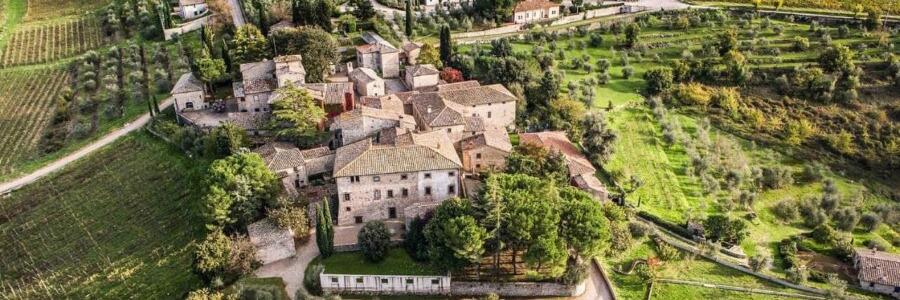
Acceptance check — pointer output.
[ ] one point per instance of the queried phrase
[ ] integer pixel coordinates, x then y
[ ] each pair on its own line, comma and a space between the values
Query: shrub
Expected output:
843, 247
720, 228
658, 80
311, 279
813, 172
491, 296
786, 210
293, 218
667, 252
760, 262
574, 274
798, 274
776, 177
870, 221
823, 234
877, 245
800, 44
627, 72
675, 228
621, 238
728, 99
639, 229
692, 94
374, 240
845, 218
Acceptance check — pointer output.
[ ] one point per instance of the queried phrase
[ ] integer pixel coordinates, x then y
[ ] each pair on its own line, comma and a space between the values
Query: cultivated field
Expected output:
48, 9
46, 42
886, 6
27, 100
98, 230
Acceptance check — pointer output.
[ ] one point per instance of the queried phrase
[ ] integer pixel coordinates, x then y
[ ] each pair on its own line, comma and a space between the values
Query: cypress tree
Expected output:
409, 18
446, 47
323, 11
226, 56
324, 230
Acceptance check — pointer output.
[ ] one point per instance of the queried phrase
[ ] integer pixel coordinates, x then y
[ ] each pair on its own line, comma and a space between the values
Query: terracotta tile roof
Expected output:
331, 92
494, 93
557, 141
187, 83
407, 47
354, 117
591, 184
432, 111
280, 156
422, 70
262, 69
258, 85
426, 152
380, 43
316, 152
474, 124
289, 64
529, 5
458, 85
389, 102
364, 75
497, 139
878, 267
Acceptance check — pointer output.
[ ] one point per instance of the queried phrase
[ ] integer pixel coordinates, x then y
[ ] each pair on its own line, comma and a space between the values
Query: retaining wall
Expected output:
516, 289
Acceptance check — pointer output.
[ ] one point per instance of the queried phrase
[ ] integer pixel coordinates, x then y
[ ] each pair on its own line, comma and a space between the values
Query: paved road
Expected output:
237, 13
292, 270
7, 187
596, 288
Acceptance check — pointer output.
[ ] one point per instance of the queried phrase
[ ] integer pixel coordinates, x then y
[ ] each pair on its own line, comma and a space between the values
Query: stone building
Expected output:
529, 11
364, 122
486, 151
410, 55
421, 76
379, 55
189, 93
378, 181
189, 9
289, 70
878, 271
294, 166
464, 108
260, 79
581, 171
335, 97
367, 82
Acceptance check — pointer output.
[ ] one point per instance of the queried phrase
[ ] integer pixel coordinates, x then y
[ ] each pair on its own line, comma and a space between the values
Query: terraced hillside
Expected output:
98, 230
46, 42
27, 99
887, 6
47, 9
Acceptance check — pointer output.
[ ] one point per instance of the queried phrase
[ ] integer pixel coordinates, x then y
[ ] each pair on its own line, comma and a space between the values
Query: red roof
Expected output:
529, 5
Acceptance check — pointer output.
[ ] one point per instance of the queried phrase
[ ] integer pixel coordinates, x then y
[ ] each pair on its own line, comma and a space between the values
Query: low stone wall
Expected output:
516, 289
493, 31
186, 27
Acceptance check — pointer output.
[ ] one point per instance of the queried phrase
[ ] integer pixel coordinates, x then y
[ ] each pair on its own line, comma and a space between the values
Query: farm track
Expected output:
26, 106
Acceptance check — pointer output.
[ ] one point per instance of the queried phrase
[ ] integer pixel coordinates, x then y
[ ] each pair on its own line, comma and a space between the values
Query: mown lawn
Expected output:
112, 226
397, 262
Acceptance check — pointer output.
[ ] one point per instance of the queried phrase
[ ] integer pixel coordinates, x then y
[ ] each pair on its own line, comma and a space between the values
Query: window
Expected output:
435, 281
451, 174
427, 191
334, 280
189, 105
489, 115
404, 176
384, 281
346, 196
409, 281
347, 208
478, 155
376, 178
357, 219
392, 212
354, 179
449, 130
451, 189
427, 175
359, 280
478, 166
404, 192
256, 109
377, 195
390, 193
243, 99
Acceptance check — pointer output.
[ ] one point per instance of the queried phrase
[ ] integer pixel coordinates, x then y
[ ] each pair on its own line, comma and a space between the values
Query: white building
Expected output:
379, 55
421, 76
189, 93
189, 9
385, 284
367, 82
529, 11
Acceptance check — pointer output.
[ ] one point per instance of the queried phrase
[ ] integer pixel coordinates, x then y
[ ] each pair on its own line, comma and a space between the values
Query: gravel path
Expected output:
84, 151
292, 269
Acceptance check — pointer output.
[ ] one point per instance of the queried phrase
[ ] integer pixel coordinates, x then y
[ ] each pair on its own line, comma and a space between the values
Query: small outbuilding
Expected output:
878, 271
190, 9
272, 243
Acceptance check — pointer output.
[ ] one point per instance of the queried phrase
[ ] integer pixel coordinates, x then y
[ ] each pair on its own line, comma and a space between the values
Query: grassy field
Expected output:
41, 42
115, 225
49, 9
886, 6
27, 100
397, 262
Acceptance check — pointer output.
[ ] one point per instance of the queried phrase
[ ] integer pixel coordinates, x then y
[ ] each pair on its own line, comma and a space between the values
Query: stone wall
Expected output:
516, 289
372, 200
491, 159
186, 27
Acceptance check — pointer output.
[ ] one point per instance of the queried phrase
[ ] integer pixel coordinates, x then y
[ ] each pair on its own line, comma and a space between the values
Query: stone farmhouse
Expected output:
486, 151
530, 11
365, 122
367, 82
410, 54
878, 271
463, 109
421, 76
295, 166
581, 171
379, 55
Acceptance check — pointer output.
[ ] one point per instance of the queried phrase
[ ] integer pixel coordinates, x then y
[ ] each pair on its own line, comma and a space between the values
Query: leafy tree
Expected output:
293, 218
225, 140
501, 48
596, 40
567, 114
249, 45
727, 41
446, 45
240, 187
211, 255
720, 228
454, 238
363, 10
786, 210
318, 47
583, 225
627, 72
347, 23
374, 240
295, 113
210, 70
324, 9
536, 161
598, 138
429, 55
874, 20
837, 59
846, 218
658, 80
632, 34
870, 221
603, 65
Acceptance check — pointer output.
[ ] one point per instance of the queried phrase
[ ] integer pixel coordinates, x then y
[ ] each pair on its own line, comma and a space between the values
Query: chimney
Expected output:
429, 109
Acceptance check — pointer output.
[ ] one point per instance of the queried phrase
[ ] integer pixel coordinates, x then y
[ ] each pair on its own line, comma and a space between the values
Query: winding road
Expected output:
57, 165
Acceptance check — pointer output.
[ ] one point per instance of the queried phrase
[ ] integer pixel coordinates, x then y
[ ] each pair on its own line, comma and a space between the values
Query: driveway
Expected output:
84, 151
237, 13
292, 269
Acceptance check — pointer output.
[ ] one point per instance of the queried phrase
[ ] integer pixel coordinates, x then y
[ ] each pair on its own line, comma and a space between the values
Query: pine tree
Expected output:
409, 18
446, 47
